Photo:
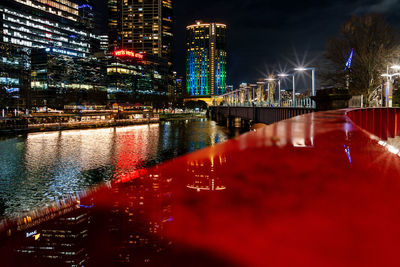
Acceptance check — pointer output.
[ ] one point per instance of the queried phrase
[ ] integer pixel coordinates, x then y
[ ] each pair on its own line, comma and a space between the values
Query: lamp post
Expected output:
279, 94
312, 77
389, 84
284, 75
269, 92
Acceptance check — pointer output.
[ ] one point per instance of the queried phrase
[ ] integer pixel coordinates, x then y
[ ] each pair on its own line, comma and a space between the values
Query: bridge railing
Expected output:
381, 122
267, 114
303, 102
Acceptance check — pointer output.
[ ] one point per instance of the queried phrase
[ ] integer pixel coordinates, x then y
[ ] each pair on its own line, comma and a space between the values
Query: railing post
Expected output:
397, 122
391, 122
384, 128
371, 120
378, 122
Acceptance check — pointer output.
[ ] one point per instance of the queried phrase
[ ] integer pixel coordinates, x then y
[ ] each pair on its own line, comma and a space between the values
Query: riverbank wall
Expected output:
181, 116
45, 127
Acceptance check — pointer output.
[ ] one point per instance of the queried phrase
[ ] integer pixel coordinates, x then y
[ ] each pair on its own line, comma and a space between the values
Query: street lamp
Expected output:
313, 76
269, 92
389, 92
390, 75
284, 75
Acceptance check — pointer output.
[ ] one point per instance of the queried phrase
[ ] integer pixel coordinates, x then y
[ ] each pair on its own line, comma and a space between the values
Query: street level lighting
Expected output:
269, 92
390, 75
284, 75
389, 91
313, 76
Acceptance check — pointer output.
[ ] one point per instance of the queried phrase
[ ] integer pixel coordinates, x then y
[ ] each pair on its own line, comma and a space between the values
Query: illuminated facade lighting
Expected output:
131, 79
60, 77
46, 23
128, 53
206, 59
142, 26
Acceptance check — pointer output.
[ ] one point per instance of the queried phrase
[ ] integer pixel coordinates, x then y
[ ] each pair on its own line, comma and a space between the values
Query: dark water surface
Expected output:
38, 168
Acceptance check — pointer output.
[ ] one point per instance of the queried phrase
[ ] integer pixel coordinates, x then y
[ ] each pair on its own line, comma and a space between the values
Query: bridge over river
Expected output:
268, 115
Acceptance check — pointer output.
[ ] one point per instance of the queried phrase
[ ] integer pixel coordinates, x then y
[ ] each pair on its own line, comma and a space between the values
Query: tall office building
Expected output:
59, 79
47, 23
104, 43
206, 59
143, 26
14, 76
62, 26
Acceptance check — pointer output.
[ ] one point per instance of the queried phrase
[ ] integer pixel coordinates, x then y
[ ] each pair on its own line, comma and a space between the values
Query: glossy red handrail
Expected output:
382, 122
314, 190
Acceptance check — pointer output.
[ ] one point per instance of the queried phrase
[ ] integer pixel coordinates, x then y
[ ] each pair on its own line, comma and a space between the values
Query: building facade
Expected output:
14, 76
61, 77
25, 25
144, 26
206, 59
137, 78
104, 43
47, 23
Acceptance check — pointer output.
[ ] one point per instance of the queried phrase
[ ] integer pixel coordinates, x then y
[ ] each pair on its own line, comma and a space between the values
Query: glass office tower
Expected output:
47, 23
143, 26
206, 59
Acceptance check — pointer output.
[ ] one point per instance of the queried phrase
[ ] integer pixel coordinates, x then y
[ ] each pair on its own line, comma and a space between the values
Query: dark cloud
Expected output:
383, 6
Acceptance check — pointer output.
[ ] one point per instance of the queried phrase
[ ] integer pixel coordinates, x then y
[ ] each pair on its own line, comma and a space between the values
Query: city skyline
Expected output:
280, 34
199, 133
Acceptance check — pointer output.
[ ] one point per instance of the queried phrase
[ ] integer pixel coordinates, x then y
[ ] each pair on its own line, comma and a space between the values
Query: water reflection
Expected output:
125, 222
40, 168
203, 173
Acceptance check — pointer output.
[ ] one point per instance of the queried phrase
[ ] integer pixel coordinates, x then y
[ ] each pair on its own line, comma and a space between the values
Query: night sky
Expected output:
268, 35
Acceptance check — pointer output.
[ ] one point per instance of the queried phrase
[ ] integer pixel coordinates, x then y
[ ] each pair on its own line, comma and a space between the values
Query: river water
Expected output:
38, 168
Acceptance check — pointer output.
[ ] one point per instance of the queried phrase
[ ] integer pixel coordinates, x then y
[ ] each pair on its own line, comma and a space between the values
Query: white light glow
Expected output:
392, 149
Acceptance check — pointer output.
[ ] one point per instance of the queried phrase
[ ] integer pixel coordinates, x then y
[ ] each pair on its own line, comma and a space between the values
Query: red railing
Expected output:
382, 122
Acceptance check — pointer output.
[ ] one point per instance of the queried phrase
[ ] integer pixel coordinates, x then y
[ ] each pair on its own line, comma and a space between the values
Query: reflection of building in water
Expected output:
204, 174
294, 133
140, 213
61, 241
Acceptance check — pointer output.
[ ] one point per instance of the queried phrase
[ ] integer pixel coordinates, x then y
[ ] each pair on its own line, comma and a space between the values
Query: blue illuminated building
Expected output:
206, 59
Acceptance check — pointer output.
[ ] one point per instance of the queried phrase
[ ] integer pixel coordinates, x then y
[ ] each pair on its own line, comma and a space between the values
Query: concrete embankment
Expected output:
44, 127
181, 116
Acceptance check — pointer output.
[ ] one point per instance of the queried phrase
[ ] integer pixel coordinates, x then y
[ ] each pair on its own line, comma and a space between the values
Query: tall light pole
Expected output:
389, 84
279, 94
312, 77
269, 92
284, 75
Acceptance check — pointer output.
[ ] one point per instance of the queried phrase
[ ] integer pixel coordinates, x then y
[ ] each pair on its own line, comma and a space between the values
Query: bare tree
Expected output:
375, 43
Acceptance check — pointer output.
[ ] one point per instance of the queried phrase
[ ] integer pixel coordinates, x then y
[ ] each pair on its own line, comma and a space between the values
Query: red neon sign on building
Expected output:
128, 53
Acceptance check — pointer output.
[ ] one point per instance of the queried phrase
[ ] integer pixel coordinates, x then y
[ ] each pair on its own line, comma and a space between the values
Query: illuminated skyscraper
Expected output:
63, 24
144, 26
206, 59
25, 25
